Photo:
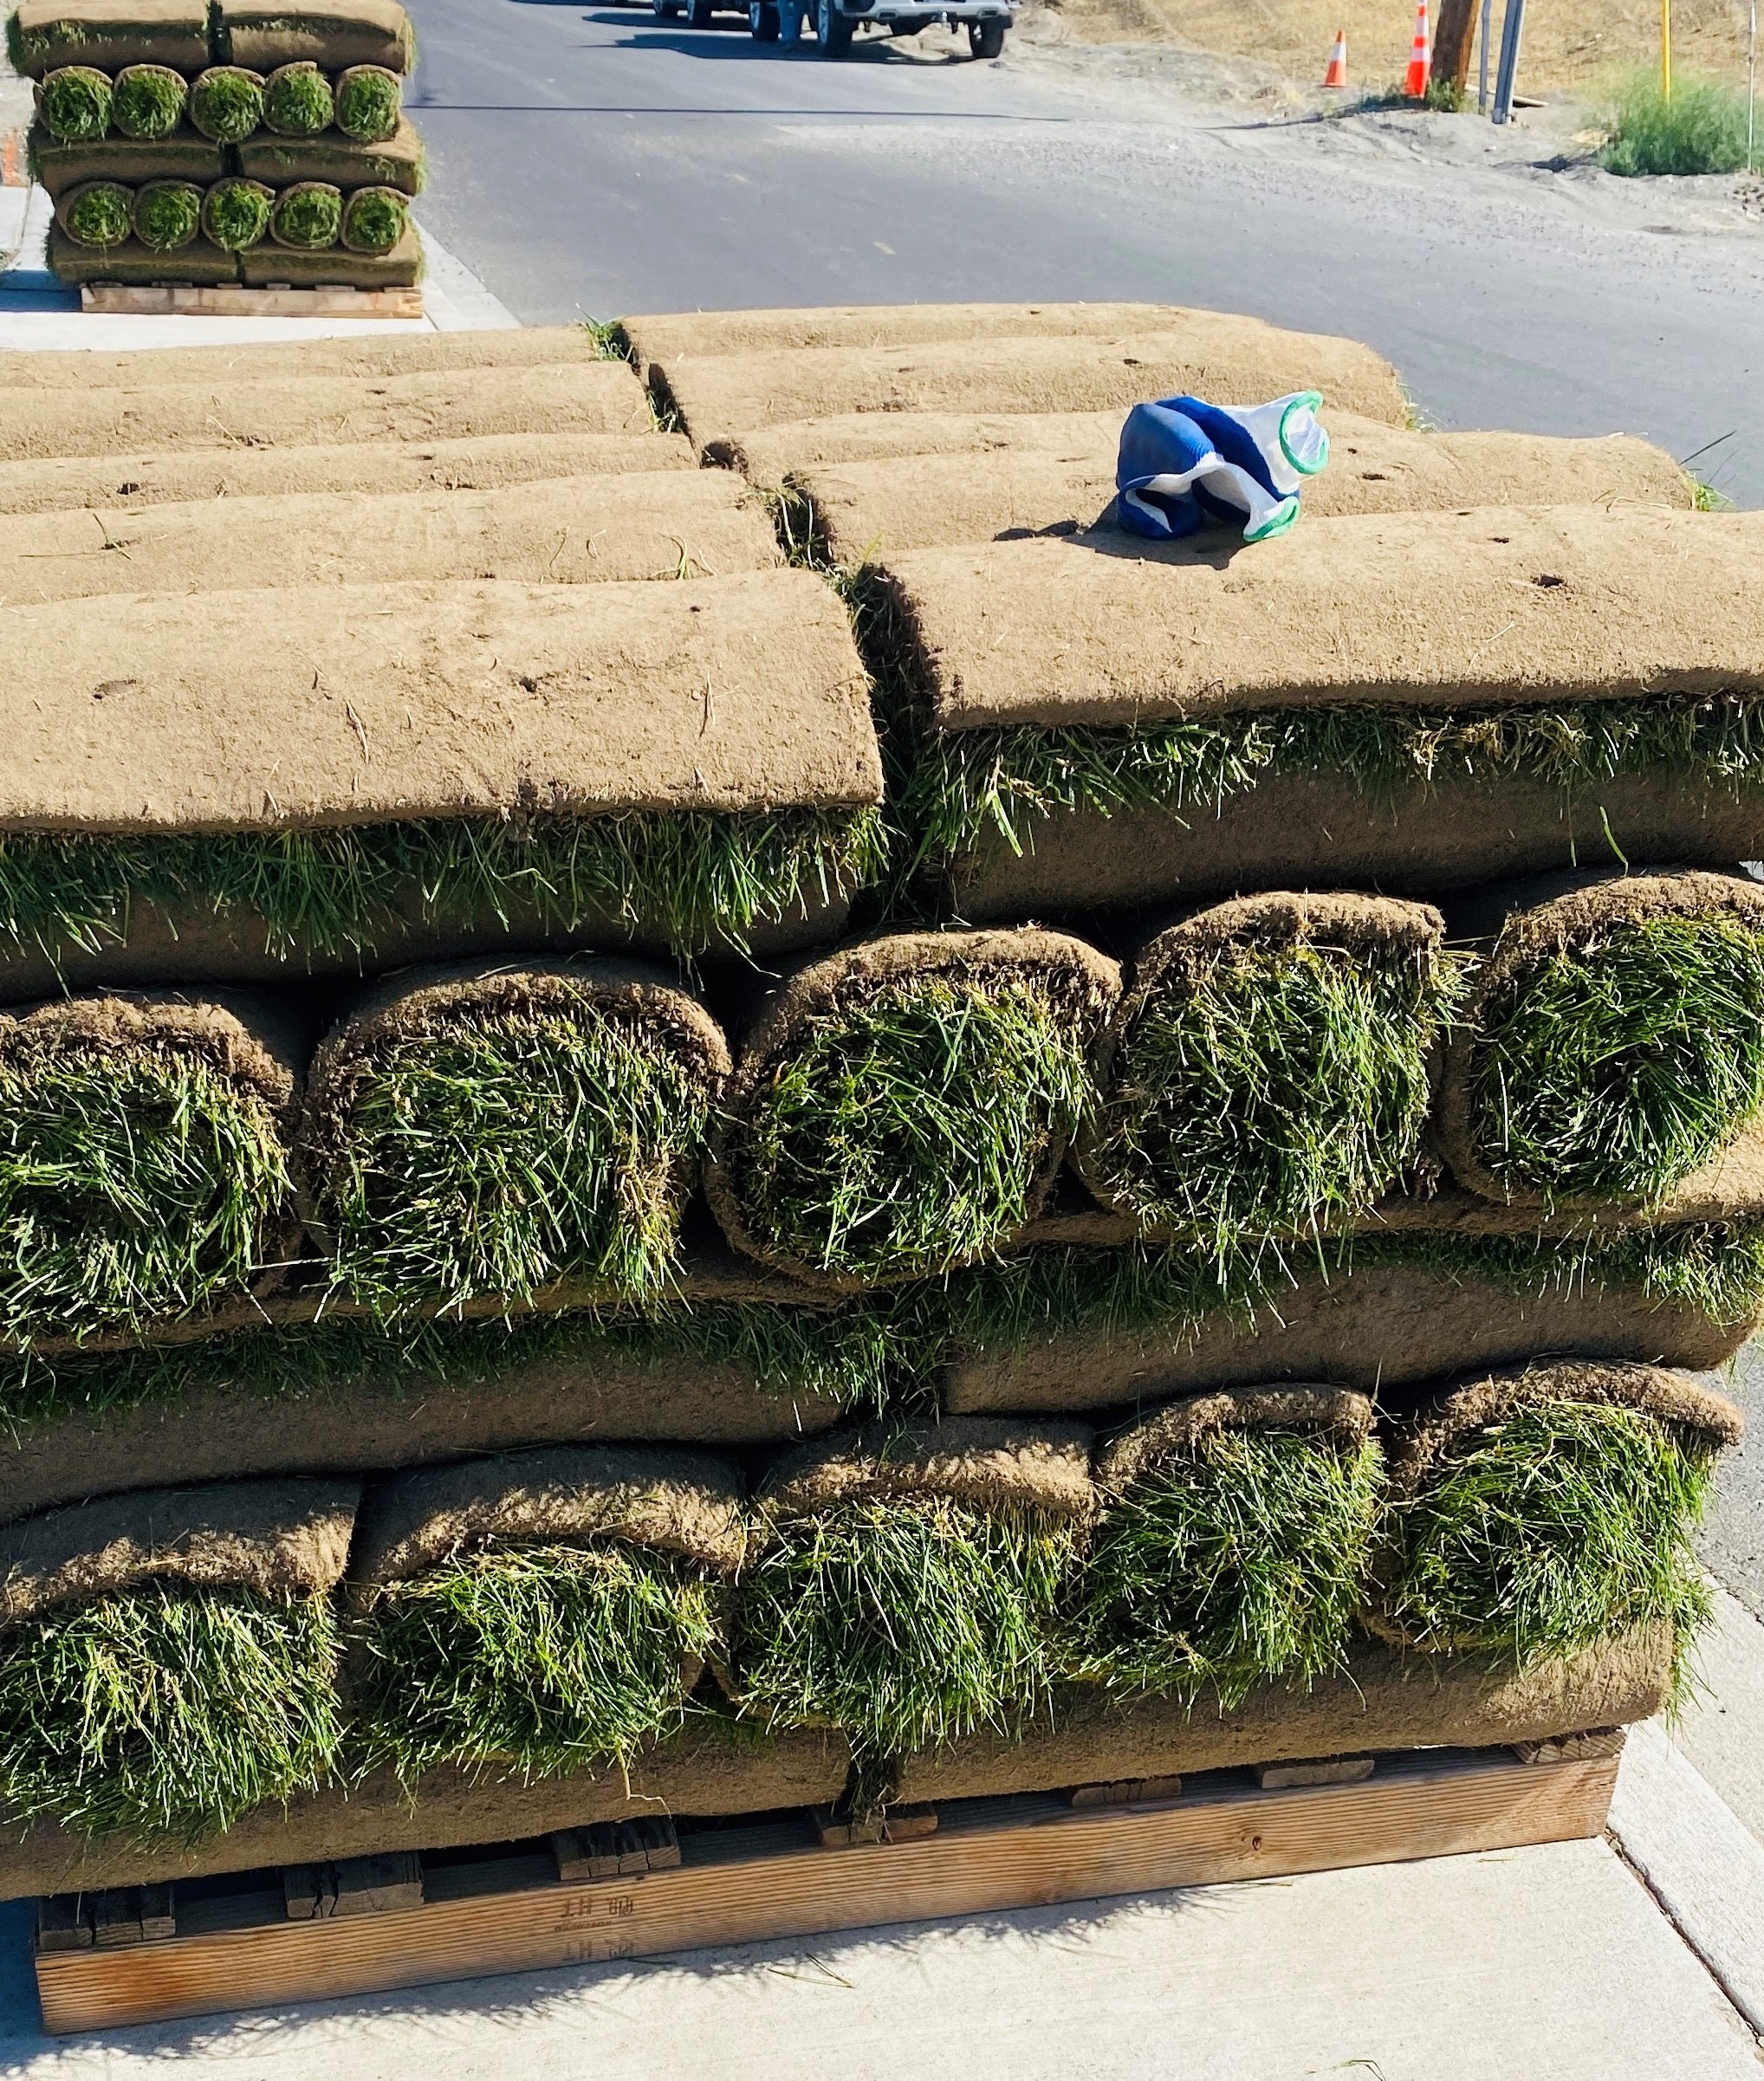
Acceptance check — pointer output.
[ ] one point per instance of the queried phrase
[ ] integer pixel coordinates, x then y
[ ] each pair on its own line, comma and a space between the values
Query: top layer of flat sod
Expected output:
661, 336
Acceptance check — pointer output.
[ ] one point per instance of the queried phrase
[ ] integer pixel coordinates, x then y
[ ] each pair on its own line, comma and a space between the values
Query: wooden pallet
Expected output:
184, 300
256, 1940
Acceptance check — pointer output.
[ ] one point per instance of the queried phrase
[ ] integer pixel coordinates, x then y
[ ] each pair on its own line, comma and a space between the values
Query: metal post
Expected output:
1482, 74
1666, 50
1511, 29
1751, 81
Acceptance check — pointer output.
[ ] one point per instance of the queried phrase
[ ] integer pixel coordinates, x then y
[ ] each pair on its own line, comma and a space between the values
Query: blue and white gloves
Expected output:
1186, 465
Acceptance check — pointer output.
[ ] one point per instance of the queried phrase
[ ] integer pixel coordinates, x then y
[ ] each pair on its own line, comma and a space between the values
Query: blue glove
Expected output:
1185, 464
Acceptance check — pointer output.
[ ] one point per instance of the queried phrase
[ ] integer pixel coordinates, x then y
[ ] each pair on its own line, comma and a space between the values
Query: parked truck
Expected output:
836, 21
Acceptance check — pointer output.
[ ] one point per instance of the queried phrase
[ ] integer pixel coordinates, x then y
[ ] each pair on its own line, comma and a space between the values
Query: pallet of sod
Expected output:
1055, 476
1080, 1329
903, 1582
903, 1106
170, 1660
1234, 360
1611, 1048
564, 529
542, 1614
144, 1169
1088, 730
489, 779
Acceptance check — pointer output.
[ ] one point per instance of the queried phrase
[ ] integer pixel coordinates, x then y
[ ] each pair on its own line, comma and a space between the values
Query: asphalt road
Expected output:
595, 160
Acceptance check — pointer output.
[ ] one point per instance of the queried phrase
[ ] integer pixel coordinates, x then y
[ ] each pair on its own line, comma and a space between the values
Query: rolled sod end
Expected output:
1234, 1545
1268, 1071
369, 101
374, 219
147, 102
96, 213
298, 102
308, 216
1614, 1042
169, 1660
236, 214
167, 215
226, 103
499, 1132
901, 1107
1534, 1512
904, 1586
143, 1165
540, 1613
75, 103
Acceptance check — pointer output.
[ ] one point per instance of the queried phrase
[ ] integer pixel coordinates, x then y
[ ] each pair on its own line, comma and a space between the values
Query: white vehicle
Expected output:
835, 21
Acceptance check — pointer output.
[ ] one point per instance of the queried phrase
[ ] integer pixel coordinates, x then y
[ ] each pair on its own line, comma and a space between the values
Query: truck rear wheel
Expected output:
698, 13
762, 21
834, 30
665, 9
986, 37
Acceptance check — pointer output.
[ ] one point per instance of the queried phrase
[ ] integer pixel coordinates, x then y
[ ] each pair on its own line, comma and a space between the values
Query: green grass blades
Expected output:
1271, 1090
166, 1712
75, 103
132, 1190
1562, 1526
369, 100
1238, 1560
308, 216
497, 1159
904, 1136
226, 103
374, 219
905, 1622
148, 101
236, 214
97, 213
694, 880
1613, 1070
961, 788
1699, 128
297, 100
539, 1660
167, 215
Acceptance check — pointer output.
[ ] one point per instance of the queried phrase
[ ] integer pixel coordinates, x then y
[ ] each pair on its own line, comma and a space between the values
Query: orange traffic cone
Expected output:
1420, 58
1336, 75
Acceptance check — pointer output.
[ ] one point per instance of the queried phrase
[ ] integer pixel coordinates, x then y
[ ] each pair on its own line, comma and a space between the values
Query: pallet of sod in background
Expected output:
505, 1909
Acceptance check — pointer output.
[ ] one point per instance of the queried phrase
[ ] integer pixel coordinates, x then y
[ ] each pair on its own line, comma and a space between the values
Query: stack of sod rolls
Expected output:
238, 142
864, 1159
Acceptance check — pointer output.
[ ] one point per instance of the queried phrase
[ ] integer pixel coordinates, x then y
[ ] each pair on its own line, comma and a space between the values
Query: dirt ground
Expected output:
1570, 45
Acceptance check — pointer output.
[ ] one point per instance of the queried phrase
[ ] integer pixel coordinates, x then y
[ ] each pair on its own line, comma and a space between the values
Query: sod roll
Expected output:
375, 355
1384, 1701
169, 1659
488, 774
166, 215
143, 1158
936, 501
106, 35
308, 216
1109, 1329
332, 33
1544, 604
148, 101
903, 1584
1232, 360
369, 100
599, 397
1233, 1546
496, 1132
236, 214
1267, 1069
903, 1105
396, 161
298, 101
96, 214
563, 530
1043, 824
486, 463
710, 1770
1534, 1512
1613, 1044
375, 220
185, 155
541, 1614
226, 103
661, 337
133, 264
345, 1395
74, 103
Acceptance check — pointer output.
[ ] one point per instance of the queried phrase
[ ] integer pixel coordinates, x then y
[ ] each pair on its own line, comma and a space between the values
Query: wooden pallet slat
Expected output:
188, 300
753, 1884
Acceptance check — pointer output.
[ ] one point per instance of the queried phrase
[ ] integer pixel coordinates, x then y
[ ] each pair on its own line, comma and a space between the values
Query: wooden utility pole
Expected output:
1453, 39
